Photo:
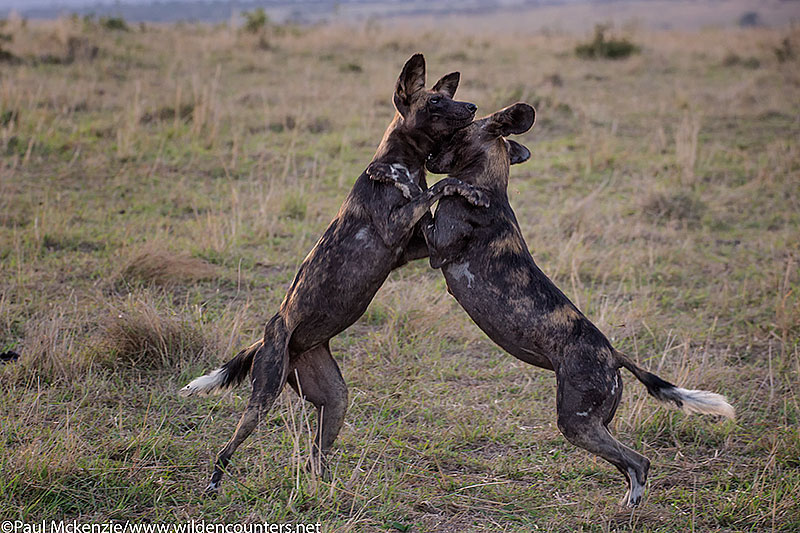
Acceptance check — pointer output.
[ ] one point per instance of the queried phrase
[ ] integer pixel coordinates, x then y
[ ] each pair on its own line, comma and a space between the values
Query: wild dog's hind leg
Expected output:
315, 375
270, 367
587, 397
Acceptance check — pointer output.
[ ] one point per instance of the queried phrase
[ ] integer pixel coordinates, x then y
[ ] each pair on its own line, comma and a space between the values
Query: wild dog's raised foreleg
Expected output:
315, 376
395, 225
270, 368
417, 247
445, 241
395, 174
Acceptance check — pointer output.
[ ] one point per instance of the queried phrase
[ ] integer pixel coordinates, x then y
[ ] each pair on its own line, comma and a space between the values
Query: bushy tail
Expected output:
690, 401
228, 375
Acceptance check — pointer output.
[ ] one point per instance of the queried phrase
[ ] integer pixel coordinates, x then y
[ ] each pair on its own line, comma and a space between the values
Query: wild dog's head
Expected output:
481, 151
432, 112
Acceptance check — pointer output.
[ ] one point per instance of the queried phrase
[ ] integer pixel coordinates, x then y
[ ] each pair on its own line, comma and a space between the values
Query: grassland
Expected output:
160, 186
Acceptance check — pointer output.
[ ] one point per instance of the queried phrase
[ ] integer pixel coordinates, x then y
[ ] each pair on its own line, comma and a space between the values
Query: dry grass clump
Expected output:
143, 334
156, 265
681, 206
51, 349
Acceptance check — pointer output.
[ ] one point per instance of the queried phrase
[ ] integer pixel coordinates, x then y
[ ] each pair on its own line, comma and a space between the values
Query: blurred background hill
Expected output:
554, 15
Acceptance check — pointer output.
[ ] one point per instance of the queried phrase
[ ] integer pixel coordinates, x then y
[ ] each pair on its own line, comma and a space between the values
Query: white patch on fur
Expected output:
460, 271
404, 188
636, 491
614, 388
404, 180
700, 401
204, 384
399, 171
583, 413
362, 234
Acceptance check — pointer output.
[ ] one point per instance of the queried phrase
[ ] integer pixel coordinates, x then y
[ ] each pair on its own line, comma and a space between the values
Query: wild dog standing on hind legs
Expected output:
491, 273
371, 235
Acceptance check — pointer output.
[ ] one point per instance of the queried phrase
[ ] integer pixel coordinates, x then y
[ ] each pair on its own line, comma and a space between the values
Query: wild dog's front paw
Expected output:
382, 172
470, 193
396, 174
476, 197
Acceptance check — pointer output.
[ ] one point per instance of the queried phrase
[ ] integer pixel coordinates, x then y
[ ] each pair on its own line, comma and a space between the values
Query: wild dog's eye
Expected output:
435, 99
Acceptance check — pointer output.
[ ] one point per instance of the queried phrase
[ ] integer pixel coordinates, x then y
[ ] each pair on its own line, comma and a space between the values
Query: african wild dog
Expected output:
371, 235
489, 270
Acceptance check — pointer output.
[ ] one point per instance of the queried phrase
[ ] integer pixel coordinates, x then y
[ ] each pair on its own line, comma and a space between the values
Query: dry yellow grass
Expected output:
154, 264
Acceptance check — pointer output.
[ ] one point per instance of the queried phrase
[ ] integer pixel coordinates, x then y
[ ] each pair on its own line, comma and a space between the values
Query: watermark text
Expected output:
194, 526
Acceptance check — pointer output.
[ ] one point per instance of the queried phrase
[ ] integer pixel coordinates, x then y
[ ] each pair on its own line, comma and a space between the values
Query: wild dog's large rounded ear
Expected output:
448, 84
517, 153
411, 80
512, 120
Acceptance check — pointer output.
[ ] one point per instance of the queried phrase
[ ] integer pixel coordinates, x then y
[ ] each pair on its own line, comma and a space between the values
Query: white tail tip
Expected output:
700, 401
205, 384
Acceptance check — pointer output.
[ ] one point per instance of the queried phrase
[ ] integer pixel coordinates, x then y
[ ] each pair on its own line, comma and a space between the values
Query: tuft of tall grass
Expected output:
680, 205
143, 332
51, 350
154, 264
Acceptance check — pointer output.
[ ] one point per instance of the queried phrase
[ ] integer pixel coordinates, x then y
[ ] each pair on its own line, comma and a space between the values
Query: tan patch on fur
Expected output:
519, 276
563, 316
507, 244
498, 159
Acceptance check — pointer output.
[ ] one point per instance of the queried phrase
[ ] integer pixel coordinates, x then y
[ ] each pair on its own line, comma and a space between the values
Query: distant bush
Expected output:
114, 23
733, 60
5, 55
8, 57
255, 21
601, 48
351, 67
81, 49
784, 52
749, 19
